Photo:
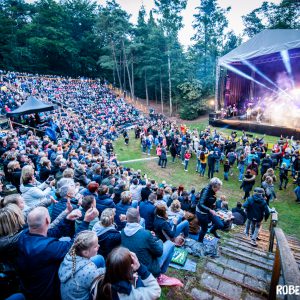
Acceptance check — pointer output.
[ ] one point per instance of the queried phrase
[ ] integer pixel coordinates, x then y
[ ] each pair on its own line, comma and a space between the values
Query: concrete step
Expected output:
246, 270
238, 278
247, 255
244, 259
243, 246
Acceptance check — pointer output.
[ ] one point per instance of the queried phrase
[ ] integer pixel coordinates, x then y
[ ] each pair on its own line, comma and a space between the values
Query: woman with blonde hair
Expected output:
108, 236
11, 226
11, 220
32, 191
80, 267
175, 211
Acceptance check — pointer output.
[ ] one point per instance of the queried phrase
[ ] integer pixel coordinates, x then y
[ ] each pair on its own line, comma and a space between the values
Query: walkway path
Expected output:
139, 159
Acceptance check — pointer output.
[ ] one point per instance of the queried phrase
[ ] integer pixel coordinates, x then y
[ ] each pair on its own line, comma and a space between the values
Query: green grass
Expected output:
289, 211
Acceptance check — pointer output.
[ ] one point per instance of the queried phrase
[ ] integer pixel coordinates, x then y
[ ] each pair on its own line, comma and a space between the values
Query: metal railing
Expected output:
284, 261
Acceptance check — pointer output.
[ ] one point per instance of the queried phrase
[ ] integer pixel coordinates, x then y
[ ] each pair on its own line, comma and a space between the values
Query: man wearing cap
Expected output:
257, 209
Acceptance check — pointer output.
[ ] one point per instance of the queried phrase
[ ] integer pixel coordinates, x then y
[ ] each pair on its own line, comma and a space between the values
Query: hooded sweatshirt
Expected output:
108, 238
147, 247
256, 208
77, 287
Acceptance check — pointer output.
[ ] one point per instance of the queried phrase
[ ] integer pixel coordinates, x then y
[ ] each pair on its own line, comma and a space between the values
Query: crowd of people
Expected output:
77, 224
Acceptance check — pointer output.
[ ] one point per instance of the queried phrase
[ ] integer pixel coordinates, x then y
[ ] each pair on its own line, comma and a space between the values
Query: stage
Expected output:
253, 126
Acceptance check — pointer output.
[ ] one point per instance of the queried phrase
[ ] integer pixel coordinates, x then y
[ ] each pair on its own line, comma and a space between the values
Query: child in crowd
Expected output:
226, 169
187, 157
80, 267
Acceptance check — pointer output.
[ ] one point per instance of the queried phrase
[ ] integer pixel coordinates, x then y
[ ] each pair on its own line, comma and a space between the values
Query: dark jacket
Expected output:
145, 192
248, 182
163, 154
81, 177
147, 247
265, 165
147, 212
160, 225
103, 202
121, 209
108, 238
59, 207
38, 261
239, 216
15, 178
207, 199
44, 173
256, 208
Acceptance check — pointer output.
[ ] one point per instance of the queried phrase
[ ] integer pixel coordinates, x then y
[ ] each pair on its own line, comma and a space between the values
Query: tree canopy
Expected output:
83, 38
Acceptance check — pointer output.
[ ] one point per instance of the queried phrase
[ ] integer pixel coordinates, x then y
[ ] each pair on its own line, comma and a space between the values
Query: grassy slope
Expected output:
289, 211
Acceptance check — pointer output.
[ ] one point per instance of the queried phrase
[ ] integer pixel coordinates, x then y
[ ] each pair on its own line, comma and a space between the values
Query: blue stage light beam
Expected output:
252, 67
237, 71
286, 60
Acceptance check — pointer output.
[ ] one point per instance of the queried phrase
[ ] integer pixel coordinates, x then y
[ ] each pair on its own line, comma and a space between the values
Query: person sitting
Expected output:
32, 191
239, 214
119, 281
147, 210
150, 250
175, 211
40, 253
66, 193
108, 236
87, 203
166, 230
91, 189
104, 200
220, 201
121, 209
146, 191
80, 267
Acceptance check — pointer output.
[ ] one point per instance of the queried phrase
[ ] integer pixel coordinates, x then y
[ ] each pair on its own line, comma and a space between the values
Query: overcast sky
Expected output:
238, 9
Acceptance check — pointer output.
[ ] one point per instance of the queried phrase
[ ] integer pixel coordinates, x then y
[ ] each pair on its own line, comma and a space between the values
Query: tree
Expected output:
193, 104
210, 23
112, 29
14, 16
231, 42
285, 15
171, 21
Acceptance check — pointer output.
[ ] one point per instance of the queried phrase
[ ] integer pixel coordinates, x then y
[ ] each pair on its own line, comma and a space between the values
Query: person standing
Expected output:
248, 183
163, 157
211, 164
173, 151
205, 209
257, 209
226, 169
187, 157
158, 153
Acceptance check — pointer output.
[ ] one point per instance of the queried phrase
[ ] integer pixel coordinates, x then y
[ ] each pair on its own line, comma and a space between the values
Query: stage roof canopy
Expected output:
31, 106
266, 42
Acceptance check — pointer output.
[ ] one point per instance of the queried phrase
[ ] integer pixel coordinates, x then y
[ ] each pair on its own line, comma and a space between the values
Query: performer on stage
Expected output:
234, 111
259, 116
248, 113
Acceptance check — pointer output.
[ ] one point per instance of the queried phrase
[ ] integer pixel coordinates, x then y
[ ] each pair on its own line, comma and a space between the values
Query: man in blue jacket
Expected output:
147, 211
40, 255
